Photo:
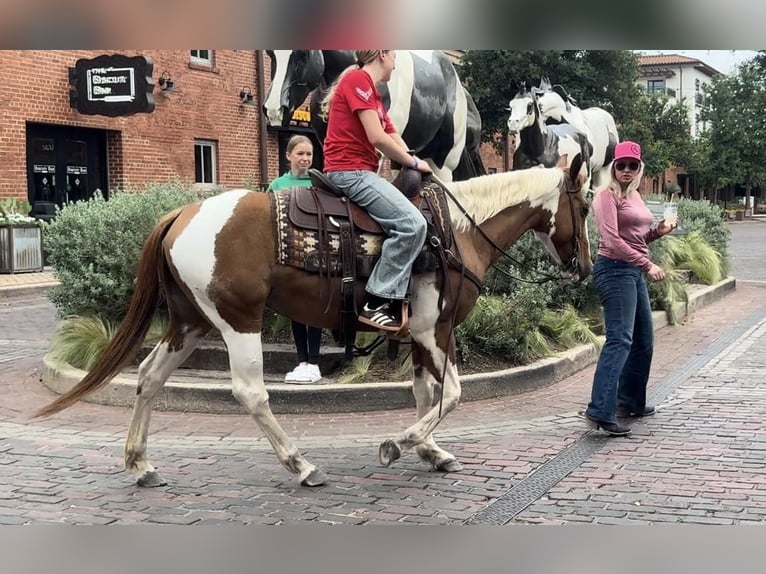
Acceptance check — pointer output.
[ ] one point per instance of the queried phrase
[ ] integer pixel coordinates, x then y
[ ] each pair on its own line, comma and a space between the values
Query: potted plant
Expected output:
21, 245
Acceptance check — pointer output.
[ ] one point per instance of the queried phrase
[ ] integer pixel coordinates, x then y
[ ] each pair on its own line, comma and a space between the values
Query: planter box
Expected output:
21, 248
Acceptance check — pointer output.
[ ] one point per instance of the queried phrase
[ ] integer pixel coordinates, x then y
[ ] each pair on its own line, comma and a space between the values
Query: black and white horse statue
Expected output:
538, 144
558, 107
428, 105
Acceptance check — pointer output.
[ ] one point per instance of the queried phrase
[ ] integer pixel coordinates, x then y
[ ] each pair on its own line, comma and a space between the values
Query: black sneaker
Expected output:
380, 318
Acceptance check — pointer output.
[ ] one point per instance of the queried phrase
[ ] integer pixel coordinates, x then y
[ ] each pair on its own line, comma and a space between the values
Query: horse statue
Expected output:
538, 144
557, 107
428, 105
216, 264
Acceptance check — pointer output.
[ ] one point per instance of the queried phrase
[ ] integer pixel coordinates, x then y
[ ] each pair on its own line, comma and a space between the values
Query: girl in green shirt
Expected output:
300, 153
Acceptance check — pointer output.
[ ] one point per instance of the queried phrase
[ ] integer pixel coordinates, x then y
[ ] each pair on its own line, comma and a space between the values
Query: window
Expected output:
202, 57
205, 162
655, 86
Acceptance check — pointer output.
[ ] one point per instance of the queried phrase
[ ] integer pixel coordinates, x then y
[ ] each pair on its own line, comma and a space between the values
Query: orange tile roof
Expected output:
666, 60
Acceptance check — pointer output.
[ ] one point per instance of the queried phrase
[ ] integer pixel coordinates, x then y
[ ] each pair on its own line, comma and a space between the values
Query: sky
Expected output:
722, 60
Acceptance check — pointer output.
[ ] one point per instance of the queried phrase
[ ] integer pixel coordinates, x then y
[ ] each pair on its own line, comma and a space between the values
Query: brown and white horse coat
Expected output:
215, 262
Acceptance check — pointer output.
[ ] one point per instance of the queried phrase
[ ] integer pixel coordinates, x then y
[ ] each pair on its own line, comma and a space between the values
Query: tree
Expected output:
604, 78
734, 108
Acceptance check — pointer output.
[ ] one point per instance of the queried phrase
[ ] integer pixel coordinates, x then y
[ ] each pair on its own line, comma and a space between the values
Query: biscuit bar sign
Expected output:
112, 85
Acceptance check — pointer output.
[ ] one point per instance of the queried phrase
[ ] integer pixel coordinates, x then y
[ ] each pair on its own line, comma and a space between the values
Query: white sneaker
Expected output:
304, 373
297, 374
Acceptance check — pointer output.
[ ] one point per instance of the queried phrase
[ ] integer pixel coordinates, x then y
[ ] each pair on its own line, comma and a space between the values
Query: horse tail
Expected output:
470, 165
125, 345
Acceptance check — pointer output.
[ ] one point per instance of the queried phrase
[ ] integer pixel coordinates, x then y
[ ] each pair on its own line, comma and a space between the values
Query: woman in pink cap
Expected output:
624, 226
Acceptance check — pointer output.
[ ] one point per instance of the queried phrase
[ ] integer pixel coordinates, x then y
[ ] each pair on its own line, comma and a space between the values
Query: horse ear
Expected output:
562, 162
545, 83
574, 169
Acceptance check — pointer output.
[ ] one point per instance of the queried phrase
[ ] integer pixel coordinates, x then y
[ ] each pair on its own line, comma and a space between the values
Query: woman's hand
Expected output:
665, 226
656, 272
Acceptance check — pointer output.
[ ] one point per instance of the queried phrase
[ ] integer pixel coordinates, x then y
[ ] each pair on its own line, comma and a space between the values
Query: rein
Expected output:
573, 263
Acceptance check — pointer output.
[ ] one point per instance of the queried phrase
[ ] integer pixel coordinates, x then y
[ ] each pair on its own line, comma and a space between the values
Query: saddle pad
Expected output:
294, 244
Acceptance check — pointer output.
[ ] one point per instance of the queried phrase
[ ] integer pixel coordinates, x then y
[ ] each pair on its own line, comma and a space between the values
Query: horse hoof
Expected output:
449, 465
151, 480
389, 452
315, 478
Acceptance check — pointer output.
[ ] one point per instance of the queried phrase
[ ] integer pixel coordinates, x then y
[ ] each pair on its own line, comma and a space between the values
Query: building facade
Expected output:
71, 124
682, 79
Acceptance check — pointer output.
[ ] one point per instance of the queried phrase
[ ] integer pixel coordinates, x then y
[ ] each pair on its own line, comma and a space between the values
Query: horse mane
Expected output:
485, 196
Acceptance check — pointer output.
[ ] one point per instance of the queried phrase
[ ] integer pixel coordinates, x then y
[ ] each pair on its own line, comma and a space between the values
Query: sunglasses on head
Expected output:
621, 165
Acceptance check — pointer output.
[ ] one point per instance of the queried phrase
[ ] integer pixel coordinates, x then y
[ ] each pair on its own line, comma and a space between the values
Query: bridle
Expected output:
571, 267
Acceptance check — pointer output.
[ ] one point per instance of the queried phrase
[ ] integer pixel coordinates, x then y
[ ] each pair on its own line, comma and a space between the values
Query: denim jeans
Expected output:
399, 219
623, 366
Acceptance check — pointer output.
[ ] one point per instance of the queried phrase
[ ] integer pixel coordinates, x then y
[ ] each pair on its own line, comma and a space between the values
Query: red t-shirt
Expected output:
346, 147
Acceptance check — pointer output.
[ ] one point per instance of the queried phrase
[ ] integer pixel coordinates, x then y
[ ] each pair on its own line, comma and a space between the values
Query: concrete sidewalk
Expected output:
26, 284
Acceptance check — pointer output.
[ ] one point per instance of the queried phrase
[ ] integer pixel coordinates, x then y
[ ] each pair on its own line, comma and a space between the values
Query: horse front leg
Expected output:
246, 360
152, 374
428, 362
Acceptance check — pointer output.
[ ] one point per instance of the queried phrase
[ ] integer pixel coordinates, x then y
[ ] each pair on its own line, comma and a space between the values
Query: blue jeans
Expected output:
399, 219
623, 367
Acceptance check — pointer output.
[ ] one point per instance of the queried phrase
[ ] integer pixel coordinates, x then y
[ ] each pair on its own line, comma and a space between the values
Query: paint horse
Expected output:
215, 264
538, 144
428, 105
556, 107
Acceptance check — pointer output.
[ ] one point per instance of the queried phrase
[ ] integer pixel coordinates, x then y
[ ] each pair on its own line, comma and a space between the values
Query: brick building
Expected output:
201, 124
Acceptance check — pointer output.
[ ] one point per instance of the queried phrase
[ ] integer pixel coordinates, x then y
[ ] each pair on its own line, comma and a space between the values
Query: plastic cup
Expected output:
670, 210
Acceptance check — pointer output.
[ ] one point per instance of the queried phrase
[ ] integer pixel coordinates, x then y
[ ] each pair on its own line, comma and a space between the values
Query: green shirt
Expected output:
288, 180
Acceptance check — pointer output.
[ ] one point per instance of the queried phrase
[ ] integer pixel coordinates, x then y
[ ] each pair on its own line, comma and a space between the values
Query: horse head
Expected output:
565, 235
554, 103
294, 74
524, 110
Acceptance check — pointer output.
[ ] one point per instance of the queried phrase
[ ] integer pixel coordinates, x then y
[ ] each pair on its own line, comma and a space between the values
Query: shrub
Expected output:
707, 218
95, 246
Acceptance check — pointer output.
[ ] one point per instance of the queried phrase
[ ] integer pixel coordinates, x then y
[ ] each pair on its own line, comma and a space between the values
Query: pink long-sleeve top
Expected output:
624, 227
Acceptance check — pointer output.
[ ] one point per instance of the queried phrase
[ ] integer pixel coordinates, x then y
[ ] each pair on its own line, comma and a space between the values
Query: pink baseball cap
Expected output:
627, 149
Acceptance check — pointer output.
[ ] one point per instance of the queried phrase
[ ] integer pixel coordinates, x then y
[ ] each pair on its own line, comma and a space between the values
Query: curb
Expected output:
14, 291
217, 398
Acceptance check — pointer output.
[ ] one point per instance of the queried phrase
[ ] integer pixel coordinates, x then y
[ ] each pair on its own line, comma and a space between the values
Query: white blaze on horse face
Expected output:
400, 88
273, 103
520, 117
193, 252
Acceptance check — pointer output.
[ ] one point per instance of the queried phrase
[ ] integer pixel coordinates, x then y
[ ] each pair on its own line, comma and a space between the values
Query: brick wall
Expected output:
142, 147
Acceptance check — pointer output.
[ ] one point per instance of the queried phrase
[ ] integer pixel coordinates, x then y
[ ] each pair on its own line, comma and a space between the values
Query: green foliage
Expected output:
80, 340
566, 329
692, 253
707, 219
95, 246
502, 326
14, 212
604, 78
733, 109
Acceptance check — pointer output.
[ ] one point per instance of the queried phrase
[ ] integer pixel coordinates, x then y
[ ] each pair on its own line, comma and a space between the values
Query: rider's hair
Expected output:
295, 140
363, 57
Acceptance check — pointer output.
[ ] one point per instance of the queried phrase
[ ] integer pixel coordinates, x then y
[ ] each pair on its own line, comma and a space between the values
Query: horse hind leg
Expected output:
246, 360
166, 356
424, 387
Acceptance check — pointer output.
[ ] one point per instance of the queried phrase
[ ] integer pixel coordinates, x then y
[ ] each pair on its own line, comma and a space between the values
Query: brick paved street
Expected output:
527, 458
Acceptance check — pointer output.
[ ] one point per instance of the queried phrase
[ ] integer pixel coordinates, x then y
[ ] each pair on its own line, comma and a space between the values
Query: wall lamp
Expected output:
246, 97
166, 83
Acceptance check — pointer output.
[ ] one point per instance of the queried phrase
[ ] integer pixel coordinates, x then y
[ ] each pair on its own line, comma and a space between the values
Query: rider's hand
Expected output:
656, 273
423, 167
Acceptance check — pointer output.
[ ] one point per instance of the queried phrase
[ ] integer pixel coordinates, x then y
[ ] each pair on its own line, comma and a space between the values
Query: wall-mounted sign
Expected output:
112, 85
